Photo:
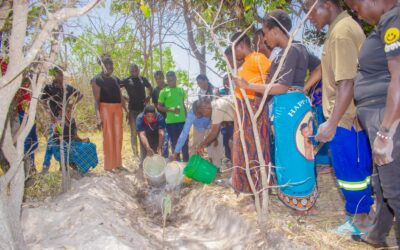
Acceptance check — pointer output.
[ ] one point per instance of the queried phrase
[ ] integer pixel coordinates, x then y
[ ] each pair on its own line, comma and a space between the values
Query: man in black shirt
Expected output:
53, 94
159, 77
135, 87
53, 98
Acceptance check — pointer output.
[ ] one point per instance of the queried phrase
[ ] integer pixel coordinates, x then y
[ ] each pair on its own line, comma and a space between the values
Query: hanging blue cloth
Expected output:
82, 154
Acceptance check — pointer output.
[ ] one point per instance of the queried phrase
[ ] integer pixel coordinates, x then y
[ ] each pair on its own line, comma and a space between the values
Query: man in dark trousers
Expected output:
135, 87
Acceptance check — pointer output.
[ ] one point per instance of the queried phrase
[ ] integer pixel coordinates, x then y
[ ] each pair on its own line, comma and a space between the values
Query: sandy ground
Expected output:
119, 211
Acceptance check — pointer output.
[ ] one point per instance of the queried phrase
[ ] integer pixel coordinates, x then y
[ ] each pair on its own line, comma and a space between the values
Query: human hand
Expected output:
127, 117
326, 132
175, 110
149, 151
173, 157
99, 124
382, 149
240, 82
216, 143
159, 150
147, 100
200, 149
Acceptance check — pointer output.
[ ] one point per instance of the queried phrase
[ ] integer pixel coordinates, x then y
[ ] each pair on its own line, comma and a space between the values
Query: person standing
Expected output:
150, 126
159, 77
171, 101
108, 105
254, 69
135, 86
53, 98
350, 151
23, 99
226, 127
291, 109
376, 91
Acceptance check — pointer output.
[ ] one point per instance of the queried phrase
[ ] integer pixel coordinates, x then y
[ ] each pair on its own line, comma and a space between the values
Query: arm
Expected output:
315, 77
149, 88
123, 103
185, 133
276, 89
215, 128
382, 148
344, 96
145, 142
162, 108
160, 141
392, 112
96, 94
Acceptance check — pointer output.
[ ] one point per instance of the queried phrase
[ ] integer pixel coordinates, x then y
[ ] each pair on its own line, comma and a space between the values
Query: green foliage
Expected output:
145, 8
48, 185
183, 79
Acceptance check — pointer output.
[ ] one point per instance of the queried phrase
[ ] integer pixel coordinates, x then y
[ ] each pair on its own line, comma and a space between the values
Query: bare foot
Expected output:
310, 212
324, 169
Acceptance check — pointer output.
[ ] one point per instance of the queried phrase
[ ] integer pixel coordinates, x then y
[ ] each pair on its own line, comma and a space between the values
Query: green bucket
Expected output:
200, 169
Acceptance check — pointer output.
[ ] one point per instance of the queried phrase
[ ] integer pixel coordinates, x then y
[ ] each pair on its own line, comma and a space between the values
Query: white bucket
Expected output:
174, 173
154, 169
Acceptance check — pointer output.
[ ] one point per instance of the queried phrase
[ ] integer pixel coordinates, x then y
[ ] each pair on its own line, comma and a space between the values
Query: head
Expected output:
202, 81
370, 10
107, 65
135, 70
150, 113
324, 12
202, 107
171, 79
305, 130
259, 43
276, 28
58, 75
229, 55
242, 45
159, 77
26, 82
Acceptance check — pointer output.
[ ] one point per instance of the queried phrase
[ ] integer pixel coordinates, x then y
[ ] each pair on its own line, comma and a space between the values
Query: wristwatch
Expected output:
384, 130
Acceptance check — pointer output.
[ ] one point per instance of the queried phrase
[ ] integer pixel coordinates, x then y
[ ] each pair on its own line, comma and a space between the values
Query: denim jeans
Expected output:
49, 149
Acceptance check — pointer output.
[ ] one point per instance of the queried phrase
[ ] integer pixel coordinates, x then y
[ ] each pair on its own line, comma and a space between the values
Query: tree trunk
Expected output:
11, 236
200, 55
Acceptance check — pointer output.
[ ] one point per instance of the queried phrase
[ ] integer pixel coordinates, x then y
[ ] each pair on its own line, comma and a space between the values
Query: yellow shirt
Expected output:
254, 70
339, 62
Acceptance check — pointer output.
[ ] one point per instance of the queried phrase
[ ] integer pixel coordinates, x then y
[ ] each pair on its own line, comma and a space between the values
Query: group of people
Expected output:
360, 80
159, 126
360, 101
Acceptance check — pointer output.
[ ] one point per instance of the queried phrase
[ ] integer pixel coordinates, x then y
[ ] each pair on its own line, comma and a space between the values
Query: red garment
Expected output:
23, 98
3, 66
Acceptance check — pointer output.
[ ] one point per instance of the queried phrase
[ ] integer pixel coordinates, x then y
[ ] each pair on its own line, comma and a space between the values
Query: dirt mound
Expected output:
116, 212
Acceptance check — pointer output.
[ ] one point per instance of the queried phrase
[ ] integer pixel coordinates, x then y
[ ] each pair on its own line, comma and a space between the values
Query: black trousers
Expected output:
385, 179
